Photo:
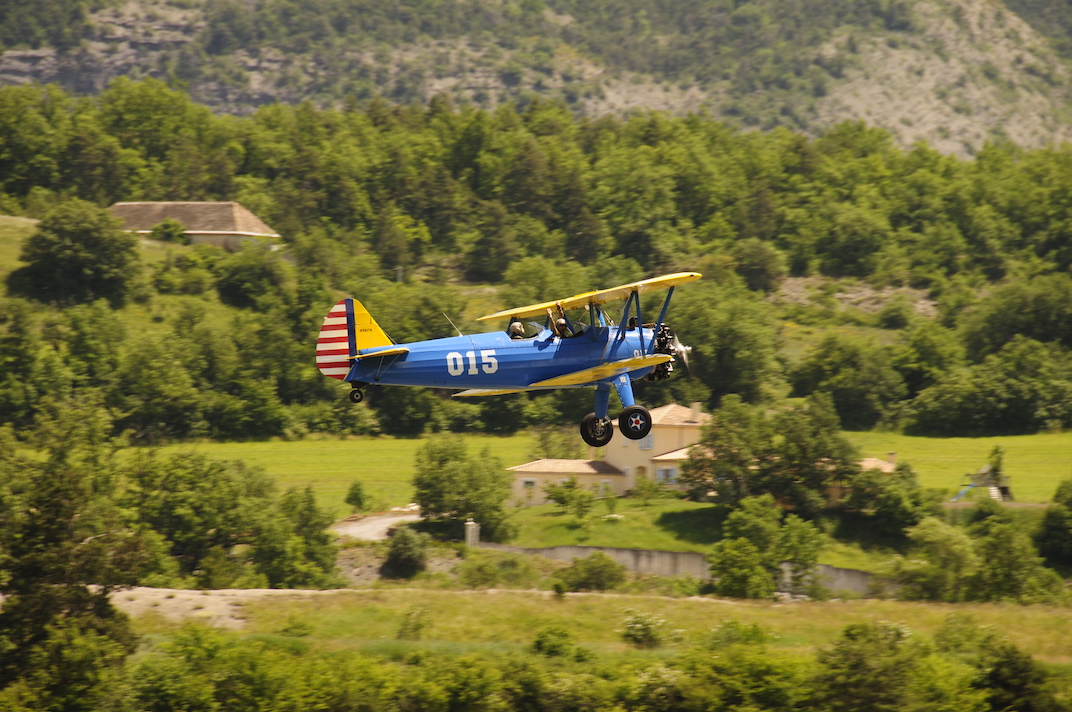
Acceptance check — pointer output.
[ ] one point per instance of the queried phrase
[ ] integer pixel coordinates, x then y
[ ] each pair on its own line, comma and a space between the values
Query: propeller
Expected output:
681, 350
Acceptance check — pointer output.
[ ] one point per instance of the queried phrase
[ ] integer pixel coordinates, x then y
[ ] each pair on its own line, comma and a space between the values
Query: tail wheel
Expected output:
597, 432
356, 396
634, 422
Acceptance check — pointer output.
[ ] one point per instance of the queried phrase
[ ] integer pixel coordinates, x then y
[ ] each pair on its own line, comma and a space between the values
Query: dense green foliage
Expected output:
451, 486
872, 666
80, 523
544, 204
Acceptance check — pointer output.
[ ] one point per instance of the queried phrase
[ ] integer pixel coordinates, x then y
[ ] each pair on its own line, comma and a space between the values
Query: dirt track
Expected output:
374, 528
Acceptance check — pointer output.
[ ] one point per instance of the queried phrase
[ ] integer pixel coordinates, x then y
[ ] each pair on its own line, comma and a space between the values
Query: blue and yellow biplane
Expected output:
585, 352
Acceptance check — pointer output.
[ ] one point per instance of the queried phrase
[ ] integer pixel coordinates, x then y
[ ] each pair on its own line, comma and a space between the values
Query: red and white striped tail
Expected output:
337, 343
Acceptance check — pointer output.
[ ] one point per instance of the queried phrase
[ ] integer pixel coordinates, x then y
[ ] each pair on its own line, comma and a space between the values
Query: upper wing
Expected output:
600, 296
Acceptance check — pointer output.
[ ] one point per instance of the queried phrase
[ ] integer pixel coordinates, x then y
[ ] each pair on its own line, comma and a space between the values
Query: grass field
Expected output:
669, 524
12, 232
383, 465
1036, 463
508, 620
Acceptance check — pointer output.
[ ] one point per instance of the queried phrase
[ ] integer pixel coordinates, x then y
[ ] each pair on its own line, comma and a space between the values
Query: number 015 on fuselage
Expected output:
562, 352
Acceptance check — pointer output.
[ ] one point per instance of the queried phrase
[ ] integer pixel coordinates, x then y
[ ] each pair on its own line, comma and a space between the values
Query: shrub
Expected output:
356, 497
414, 621
407, 554
597, 572
645, 630
737, 566
170, 230
733, 632
553, 641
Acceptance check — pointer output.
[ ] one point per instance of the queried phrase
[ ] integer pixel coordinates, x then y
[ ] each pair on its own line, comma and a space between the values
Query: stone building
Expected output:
674, 429
223, 224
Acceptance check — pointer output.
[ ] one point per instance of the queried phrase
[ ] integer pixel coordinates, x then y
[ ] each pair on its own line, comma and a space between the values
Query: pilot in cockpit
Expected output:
516, 330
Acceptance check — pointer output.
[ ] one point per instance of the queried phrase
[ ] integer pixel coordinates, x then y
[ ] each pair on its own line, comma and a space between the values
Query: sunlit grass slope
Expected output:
669, 524
12, 232
508, 620
384, 465
1036, 463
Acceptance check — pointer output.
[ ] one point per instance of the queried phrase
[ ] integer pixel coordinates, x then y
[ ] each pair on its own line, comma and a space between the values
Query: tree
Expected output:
859, 377
1011, 569
890, 502
739, 571
66, 546
595, 572
723, 459
355, 496
941, 565
77, 254
762, 265
251, 273
794, 541
407, 553
451, 485
868, 670
793, 455
170, 230
1054, 535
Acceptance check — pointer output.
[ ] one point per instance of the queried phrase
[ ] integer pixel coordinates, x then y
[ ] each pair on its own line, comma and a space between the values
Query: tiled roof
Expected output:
566, 467
674, 414
674, 455
197, 218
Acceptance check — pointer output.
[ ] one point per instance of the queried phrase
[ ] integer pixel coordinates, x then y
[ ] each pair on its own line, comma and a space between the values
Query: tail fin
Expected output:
347, 328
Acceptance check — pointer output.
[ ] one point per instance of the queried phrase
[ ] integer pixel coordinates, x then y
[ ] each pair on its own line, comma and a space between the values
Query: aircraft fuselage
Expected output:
495, 361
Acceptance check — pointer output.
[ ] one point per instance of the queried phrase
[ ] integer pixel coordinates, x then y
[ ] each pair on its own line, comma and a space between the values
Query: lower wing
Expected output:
602, 372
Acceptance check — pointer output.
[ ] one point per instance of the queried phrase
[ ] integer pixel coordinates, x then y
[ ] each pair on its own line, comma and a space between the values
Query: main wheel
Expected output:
597, 432
634, 422
356, 396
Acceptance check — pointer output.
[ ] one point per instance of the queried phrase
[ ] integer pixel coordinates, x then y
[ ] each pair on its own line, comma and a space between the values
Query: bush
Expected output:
356, 497
645, 630
733, 632
407, 554
597, 572
170, 230
553, 641
414, 621
739, 571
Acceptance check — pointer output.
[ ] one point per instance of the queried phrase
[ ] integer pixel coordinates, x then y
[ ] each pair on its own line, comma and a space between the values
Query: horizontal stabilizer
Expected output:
599, 296
602, 372
396, 351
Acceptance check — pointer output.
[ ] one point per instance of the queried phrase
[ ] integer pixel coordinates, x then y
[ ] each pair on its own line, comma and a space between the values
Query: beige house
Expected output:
223, 224
674, 429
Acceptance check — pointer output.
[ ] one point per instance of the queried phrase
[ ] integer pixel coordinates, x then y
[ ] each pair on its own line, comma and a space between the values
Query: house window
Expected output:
528, 484
666, 475
647, 442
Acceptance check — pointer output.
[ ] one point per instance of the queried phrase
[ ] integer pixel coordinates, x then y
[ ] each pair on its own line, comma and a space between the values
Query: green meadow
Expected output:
384, 465
507, 620
1036, 463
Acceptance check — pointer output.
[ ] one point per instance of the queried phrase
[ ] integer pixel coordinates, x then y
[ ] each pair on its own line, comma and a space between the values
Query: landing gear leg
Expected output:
634, 421
596, 428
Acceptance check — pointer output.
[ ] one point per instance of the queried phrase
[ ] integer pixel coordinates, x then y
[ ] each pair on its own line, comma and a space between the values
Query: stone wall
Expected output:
690, 563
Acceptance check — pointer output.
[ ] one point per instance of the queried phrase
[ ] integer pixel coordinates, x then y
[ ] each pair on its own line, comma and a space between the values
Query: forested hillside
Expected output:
956, 73
967, 328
